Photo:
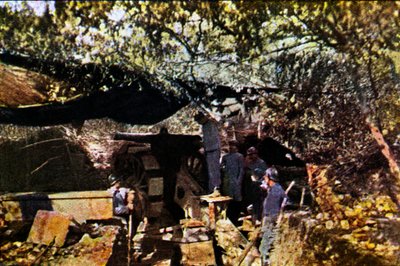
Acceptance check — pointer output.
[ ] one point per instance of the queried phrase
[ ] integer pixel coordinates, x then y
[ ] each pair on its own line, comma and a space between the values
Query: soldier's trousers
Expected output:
269, 230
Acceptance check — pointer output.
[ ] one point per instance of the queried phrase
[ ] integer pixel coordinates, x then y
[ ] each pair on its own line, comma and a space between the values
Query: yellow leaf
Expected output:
370, 245
345, 224
389, 215
350, 213
365, 228
368, 204
329, 224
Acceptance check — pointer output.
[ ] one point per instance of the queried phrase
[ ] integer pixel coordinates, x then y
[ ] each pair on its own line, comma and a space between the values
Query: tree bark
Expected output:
393, 166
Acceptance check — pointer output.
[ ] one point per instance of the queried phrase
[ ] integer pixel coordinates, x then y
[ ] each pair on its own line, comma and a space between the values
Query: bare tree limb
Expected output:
41, 142
43, 164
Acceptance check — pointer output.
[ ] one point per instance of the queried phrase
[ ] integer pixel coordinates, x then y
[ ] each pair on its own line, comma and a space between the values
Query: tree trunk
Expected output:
393, 166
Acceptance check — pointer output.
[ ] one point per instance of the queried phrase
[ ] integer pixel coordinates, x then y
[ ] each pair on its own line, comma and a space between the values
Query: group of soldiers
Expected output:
248, 180
254, 186
241, 179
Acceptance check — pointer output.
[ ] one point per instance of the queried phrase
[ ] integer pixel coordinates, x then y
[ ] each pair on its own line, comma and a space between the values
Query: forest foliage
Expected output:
335, 66
334, 63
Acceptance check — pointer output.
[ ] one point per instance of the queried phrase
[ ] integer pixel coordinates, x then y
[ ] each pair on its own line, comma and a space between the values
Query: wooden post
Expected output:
249, 245
284, 203
303, 191
130, 231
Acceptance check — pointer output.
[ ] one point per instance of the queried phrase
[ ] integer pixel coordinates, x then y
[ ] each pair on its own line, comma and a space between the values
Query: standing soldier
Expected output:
253, 161
271, 209
232, 165
212, 149
258, 194
251, 193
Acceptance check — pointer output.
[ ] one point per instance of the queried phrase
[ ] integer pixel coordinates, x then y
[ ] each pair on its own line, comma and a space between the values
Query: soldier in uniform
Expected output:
250, 189
122, 197
271, 209
232, 165
212, 149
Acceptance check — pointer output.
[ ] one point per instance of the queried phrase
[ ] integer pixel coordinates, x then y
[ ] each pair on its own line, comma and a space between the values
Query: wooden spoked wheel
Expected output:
136, 177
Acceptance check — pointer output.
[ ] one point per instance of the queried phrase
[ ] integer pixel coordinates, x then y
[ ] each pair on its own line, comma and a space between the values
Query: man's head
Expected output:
257, 174
113, 180
271, 176
233, 146
252, 153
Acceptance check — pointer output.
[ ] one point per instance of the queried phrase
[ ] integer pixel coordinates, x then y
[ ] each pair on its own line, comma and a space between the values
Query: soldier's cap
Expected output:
252, 150
112, 179
272, 174
258, 172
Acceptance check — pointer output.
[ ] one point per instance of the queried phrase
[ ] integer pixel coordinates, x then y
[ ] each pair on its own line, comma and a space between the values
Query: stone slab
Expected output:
49, 226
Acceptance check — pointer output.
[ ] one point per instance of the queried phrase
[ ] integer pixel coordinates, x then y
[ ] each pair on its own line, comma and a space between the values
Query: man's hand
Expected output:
131, 196
264, 186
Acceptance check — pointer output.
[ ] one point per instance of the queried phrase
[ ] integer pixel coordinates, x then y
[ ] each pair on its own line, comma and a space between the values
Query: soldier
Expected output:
232, 165
257, 194
122, 197
212, 149
253, 161
123, 207
271, 209
250, 189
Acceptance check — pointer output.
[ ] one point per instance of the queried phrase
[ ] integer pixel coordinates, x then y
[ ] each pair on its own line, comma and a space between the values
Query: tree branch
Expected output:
41, 142
43, 164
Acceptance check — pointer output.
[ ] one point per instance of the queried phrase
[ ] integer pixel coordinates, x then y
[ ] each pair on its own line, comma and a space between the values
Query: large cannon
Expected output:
168, 168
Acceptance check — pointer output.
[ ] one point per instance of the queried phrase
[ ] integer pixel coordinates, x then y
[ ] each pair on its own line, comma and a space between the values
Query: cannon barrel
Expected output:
149, 137
177, 140
138, 137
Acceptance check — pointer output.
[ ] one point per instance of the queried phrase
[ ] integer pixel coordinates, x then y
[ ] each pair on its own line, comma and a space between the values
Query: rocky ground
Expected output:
80, 249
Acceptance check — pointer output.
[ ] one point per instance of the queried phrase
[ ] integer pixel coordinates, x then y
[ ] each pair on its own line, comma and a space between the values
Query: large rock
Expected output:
49, 226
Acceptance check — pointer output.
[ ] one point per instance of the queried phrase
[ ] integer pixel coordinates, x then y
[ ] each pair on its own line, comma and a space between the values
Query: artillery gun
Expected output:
167, 169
